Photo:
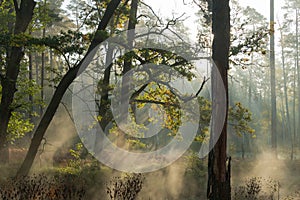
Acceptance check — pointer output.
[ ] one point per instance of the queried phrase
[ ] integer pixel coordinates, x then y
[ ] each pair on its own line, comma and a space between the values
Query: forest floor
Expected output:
173, 182
283, 171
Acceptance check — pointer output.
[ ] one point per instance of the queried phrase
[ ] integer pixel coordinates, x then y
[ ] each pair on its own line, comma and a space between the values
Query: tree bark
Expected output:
66, 81
218, 174
24, 15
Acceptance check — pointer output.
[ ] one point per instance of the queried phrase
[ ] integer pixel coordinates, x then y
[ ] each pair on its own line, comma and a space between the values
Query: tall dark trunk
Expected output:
43, 58
36, 63
104, 101
24, 15
104, 109
66, 81
51, 68
128, 61
218, 169
30, 76
42, 74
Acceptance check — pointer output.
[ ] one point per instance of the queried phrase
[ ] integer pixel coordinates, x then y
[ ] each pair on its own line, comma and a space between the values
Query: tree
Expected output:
288, 28
285, 87
218, 174
14, 55
63, 85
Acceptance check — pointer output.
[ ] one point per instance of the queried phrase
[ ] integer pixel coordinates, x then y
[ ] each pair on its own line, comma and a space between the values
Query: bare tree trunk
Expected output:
273, 84
66, 81
283, 124
218, 175
297, 66
294, 106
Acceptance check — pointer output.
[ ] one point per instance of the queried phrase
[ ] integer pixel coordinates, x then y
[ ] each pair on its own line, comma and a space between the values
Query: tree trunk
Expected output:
294, 107
297, 65
24, 15
66, 81
128, 62
43, 58
42, 74
104, 109
218, 174
30, 98
51, 68
273, 84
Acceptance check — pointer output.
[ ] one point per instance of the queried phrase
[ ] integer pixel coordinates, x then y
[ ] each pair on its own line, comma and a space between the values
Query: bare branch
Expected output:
154, 102
152, 11
139, 91
202, 85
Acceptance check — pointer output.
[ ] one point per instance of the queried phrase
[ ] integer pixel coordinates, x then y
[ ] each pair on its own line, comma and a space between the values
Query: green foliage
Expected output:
195, 167
205, 117
239, 118
70, 42
76, 162
47, 12
18, 126
182, 66
86, 15
171, 113
26, 88
249, 31
135, 144
7, 16
20, 122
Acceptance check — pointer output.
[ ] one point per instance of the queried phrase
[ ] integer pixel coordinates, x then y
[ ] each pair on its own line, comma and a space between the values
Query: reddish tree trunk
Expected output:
218, 171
